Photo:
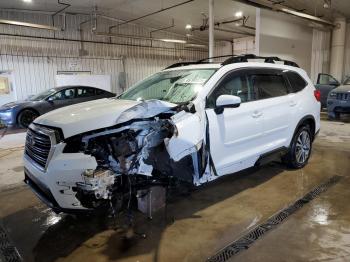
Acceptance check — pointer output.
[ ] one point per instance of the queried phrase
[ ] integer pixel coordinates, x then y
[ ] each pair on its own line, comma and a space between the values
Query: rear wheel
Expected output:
26, 117
334, 116
300, 148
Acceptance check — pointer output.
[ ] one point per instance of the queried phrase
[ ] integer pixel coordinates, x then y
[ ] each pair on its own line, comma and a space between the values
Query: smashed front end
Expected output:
109, 168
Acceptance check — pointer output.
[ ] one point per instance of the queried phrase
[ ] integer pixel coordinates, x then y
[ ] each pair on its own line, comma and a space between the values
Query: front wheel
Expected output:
300, 148
26, 117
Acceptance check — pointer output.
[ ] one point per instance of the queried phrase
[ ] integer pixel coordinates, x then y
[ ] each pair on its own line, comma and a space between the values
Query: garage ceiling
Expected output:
315, 7
190, 13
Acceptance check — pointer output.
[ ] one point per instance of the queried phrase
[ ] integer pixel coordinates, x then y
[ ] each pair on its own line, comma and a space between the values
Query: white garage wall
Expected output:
320, 58
33, 74
285, 36
35, 62
244, 45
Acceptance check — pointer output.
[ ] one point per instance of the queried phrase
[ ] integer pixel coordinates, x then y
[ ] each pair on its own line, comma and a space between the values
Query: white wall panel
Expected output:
287, 37
244, 45
320, 57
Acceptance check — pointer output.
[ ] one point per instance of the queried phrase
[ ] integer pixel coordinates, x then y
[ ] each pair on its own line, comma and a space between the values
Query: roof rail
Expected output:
181, 64
201, 61
213, 57
267, 59
235, 59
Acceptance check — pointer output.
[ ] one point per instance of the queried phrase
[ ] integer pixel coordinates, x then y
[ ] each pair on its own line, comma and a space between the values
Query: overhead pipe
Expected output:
149, 14
223, 29
233, 31
163, 28
118, 20
64, 23
88, 41
179, 41
63, 8
280, 8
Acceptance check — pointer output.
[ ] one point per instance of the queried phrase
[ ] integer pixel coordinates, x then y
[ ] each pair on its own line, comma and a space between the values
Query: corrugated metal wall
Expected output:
35, 62
320, 58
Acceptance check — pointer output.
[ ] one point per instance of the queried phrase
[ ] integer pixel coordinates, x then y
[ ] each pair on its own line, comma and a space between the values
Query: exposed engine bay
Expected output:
138, 155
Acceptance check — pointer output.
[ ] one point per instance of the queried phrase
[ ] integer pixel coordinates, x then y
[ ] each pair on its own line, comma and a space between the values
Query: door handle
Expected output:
256, 114
292, 103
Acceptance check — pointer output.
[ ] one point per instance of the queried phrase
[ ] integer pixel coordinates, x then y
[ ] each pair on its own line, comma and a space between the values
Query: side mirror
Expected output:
50, 99
226, 101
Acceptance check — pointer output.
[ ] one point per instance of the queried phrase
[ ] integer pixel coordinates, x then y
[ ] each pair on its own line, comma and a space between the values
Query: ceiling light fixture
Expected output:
174, 41
239, 14
27, 1
188, 27
327, 4
196, 45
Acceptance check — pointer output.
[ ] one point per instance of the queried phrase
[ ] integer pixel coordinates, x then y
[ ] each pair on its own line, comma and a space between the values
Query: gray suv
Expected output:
338, 101
334, 96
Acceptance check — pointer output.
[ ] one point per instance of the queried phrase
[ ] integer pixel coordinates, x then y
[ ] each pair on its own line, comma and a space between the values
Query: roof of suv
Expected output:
248, 59
238, 65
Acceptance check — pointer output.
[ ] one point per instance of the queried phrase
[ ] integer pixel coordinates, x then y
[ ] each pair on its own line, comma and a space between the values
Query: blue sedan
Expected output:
22, 113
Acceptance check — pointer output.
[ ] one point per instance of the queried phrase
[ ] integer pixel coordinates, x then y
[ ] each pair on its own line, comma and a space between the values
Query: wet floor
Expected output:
195, 226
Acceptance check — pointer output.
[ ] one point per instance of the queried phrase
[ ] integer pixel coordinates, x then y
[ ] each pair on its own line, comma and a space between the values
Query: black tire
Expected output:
26, 117
334, 116
300, 148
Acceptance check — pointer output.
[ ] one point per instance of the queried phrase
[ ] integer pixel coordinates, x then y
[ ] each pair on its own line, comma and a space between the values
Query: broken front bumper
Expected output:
55, 185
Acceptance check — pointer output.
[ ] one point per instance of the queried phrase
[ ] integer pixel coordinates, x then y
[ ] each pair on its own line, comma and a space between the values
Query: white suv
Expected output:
192, 122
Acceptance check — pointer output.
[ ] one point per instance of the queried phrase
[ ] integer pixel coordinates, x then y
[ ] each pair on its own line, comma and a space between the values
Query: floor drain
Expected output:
247, 240
8, 252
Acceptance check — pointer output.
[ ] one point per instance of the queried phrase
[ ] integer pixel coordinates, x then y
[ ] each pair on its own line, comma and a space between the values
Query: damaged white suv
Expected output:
192, 122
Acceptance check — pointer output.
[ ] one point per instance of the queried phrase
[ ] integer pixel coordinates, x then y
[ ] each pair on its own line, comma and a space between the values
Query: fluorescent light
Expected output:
174, 41
27, 1
188, 27
196, 45
239, 14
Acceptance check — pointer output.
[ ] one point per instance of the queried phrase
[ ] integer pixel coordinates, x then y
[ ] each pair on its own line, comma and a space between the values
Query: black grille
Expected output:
38, 147
343, 96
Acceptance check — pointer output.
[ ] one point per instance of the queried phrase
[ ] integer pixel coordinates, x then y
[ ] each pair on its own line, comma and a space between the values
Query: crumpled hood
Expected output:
100, 113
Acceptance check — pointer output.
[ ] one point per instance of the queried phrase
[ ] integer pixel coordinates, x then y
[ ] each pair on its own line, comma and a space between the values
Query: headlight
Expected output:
6, 113
333, 95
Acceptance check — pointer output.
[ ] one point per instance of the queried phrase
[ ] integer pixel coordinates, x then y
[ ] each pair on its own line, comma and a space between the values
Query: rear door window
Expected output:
85, 92
297, 83
269, 85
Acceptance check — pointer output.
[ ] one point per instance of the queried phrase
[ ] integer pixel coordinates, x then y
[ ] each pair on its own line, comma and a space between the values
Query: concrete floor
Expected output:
196, 226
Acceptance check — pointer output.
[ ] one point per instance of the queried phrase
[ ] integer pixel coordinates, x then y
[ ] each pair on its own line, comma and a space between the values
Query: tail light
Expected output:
317, 94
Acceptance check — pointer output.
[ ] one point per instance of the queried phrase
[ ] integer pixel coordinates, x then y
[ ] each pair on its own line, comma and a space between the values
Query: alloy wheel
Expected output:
302, 147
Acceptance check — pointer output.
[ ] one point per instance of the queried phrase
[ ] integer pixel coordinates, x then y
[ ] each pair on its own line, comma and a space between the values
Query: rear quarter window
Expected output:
297, 83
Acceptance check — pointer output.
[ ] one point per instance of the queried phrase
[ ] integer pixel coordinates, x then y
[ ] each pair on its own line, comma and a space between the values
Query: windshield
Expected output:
178, 86
347, 81
42, 95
